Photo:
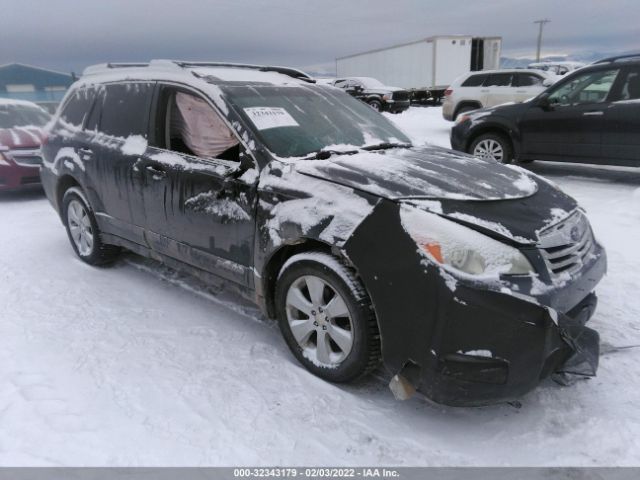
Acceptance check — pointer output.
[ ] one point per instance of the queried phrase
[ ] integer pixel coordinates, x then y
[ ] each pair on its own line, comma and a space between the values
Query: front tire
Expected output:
376, 105
492, 146
83, 231
326, 317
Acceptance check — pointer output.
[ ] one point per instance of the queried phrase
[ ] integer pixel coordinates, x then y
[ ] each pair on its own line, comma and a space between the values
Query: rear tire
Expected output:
320, 298
83, 231
492, 146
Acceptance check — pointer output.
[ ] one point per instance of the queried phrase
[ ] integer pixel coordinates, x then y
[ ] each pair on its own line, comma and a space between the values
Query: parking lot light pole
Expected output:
541, 23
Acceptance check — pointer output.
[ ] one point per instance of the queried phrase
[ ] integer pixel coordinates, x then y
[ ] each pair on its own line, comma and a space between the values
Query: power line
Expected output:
541, 23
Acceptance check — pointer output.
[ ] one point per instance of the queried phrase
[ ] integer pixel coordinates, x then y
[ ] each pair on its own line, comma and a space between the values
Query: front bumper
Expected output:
14, 177
397, 106
466, 344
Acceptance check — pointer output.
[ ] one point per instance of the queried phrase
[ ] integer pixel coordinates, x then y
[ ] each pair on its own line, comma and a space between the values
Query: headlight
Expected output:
462, 118
461, 249
387, 96
3, 160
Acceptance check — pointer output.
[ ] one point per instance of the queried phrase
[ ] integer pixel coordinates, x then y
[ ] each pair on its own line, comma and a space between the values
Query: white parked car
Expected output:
488, 88
557, 68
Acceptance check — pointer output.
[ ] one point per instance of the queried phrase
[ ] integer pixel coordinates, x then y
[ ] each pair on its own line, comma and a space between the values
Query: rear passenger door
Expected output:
621, 131
497, 89
198, 210
119, 125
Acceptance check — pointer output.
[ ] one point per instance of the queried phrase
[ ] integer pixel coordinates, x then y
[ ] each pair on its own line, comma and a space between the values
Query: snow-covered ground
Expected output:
137, 365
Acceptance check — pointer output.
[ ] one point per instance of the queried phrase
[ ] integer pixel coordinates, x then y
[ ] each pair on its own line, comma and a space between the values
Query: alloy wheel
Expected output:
319, 320
80, 227
489, 149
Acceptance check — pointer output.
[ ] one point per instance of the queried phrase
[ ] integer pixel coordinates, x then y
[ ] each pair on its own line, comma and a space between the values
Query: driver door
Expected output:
199, 209
570, 128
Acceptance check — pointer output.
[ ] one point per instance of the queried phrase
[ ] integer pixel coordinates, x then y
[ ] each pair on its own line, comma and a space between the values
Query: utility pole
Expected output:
541, 23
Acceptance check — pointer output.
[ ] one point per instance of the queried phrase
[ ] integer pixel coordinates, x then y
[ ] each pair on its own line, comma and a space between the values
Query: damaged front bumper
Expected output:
472, 344
499, 347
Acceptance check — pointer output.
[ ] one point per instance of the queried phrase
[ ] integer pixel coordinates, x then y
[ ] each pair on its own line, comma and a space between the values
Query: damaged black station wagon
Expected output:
470, 280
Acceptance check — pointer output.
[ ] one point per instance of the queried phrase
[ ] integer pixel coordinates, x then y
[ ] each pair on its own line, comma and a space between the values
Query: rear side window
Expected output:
77, 108
474, 81
498, 80
527, 80
124, 109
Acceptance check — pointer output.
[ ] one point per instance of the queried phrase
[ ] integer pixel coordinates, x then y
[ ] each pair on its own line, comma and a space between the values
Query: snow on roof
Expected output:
168, 69
249, 75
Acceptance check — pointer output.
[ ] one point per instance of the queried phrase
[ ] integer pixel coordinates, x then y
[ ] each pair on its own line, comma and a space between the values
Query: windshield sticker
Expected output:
270, 117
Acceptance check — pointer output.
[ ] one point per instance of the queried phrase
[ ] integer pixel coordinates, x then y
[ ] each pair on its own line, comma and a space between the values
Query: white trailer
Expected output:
425, 67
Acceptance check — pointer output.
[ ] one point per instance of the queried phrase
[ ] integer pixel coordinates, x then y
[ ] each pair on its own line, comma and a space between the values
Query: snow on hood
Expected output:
430, 173
28, 136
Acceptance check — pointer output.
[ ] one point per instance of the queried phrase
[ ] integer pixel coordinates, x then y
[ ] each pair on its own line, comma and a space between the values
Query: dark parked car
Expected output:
319, 209
21, 126
590, 116
379, 96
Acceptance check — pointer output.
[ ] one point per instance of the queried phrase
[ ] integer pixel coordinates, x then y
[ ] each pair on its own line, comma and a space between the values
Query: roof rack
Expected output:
618, 58
291, 72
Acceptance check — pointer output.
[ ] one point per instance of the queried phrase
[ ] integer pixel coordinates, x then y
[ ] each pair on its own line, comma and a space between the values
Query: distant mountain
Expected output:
584, 57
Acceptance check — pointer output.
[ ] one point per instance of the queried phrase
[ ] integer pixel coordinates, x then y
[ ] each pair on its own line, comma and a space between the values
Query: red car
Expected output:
21, 133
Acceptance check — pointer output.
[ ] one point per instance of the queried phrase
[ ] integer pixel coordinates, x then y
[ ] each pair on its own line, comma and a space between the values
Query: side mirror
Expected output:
547, 82
543, 102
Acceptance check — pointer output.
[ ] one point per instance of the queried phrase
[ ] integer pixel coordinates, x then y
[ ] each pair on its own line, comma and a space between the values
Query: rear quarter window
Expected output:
527, 80
77, 107
474, 81
123, 109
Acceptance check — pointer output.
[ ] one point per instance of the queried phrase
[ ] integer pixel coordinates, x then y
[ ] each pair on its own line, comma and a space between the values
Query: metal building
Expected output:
40, 85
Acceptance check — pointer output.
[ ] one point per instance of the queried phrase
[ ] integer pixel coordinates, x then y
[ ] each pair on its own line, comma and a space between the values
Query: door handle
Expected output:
85, 152
156, 172
596, 113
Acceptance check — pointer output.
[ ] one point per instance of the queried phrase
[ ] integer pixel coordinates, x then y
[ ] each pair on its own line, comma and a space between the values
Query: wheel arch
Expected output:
493, 128
64, 183
273, 265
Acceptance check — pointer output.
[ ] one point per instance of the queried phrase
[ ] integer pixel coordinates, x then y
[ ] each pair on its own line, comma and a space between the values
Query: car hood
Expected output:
21, 137
425, 173
383, 90
511, 110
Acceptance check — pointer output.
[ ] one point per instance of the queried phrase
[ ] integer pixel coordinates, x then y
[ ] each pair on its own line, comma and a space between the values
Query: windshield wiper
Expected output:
325, 154
387, 146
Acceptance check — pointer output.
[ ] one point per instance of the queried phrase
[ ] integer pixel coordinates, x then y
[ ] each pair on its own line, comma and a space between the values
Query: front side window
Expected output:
498, 80
298, 121
124, 109
187, 124
590, 87
22, 115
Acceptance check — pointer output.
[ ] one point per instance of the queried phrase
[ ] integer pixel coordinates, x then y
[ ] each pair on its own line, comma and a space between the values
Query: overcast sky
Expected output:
70, 34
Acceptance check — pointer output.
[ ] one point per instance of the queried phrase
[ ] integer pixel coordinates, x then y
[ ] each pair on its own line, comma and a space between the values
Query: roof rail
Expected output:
102, 67
291, 72
618, 58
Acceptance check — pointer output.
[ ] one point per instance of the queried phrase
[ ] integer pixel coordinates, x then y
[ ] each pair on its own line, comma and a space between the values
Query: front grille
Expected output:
566, 245
400, 96
26, 158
